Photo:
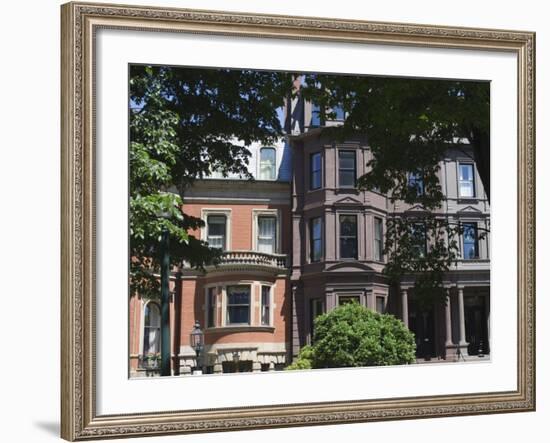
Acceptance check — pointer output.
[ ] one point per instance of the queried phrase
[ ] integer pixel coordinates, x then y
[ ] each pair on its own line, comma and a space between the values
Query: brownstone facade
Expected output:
301, 240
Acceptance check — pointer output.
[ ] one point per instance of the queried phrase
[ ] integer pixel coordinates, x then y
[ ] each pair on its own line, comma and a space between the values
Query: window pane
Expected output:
315, 115
216, 231
346, 168
466, 180
469, 237
416, 181
267, 229
211, 306
378, 239
238, 304
466, 189
315, 171
348, 248
347, 159
347, 178
316, 242
380, 304
418, 234
348, 225
267, 164
266, 290
152, 315
339, 111
237, 314
466, 172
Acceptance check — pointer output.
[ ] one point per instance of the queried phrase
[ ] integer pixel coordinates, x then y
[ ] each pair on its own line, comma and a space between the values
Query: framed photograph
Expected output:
277, 221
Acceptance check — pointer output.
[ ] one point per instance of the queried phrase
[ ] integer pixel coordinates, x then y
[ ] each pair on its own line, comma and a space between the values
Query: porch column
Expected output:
448, 325
462, 351
450, 348
405, 307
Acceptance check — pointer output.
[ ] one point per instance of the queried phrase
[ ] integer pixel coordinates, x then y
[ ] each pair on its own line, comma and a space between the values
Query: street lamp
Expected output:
165, 303
197, 342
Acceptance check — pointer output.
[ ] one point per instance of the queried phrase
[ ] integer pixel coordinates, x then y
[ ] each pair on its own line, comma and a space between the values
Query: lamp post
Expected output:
165, 304
197, 343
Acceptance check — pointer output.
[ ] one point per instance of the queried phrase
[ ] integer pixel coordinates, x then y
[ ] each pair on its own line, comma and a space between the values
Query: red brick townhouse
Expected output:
301, 240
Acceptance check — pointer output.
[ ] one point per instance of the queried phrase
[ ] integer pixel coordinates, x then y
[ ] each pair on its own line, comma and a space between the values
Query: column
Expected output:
461, 321
450, 348
405, 307
448, 324
462, 351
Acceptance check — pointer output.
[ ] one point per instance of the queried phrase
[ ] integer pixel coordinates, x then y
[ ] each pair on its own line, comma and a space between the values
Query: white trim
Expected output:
205, 212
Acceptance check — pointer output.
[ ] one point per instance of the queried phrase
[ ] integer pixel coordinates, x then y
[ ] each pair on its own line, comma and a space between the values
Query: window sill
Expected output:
240, 328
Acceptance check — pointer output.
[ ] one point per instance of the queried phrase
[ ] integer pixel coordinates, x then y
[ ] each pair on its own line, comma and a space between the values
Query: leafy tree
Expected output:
410, 124
185, 123
352, 335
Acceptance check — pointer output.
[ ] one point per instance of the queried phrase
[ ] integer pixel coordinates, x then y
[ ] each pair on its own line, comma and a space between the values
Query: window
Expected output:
316, 308
380, 304
466, 180
216, 227
315, 115
211, 306
348, 236
151, 329
238, 305
347, 299
267, 234
316, 239
266, 304
315, 170
378, 239
339, 113
267, 164
469, 241
346, 169
418, 238
416, 181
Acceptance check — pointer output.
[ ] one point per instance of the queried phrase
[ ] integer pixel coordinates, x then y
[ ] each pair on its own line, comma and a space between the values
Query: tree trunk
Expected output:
482, 155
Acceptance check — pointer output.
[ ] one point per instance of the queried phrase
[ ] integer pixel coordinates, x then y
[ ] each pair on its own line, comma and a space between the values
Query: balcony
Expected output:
247, 260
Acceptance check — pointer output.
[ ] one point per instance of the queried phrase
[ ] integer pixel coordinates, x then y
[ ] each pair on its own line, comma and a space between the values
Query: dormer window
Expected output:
267, 164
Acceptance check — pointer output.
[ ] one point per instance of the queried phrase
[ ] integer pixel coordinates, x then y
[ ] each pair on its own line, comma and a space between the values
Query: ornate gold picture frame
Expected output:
80, 24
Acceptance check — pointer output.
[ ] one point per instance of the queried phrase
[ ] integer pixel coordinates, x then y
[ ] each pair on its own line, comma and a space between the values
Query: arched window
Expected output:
267, 164
151, 329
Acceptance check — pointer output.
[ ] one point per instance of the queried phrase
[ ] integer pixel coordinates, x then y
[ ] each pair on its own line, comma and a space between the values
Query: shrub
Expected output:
352, 335
303, 361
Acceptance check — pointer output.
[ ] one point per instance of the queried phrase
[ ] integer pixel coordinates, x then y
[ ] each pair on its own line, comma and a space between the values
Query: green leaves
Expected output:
352, 335
409, 125
184, 124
